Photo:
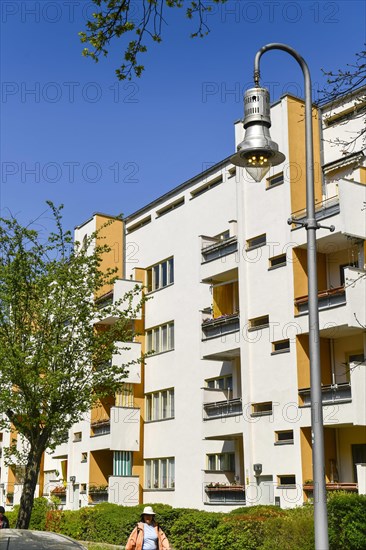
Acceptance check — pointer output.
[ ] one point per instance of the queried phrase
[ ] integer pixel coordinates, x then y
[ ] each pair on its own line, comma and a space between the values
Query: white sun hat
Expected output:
148, 510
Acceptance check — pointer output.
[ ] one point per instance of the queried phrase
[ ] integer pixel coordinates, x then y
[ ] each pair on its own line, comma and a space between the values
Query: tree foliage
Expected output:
144, 21
55, 363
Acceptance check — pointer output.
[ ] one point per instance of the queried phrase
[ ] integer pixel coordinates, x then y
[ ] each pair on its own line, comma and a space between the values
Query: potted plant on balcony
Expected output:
98, 489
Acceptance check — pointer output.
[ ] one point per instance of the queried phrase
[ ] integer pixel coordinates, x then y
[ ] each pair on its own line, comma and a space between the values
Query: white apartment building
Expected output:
218, 416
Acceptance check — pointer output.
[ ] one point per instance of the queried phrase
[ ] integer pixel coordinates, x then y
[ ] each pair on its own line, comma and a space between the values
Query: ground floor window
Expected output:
160, 473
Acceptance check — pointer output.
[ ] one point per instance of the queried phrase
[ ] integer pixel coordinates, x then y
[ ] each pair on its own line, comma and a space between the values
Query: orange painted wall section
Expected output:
113, 236
296, 161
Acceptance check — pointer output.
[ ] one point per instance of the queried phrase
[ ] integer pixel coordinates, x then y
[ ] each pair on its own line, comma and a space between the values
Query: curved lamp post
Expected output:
257, 153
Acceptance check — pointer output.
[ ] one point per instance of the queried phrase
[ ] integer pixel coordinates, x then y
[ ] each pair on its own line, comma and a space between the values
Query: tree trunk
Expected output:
30, 481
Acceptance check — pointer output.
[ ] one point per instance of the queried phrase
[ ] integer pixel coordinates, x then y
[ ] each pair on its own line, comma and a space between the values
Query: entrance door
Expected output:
266, 489
358, 456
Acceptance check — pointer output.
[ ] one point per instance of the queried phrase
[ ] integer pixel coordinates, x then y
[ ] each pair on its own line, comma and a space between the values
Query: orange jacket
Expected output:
136, 539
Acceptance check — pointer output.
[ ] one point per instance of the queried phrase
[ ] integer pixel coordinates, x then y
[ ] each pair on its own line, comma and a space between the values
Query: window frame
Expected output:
154, 481
254, 326
155, 275
280, 264
154, 338
280, 350
154, 409
281, 483
227, 459
256, 242
277, 176
258, 409
288, 441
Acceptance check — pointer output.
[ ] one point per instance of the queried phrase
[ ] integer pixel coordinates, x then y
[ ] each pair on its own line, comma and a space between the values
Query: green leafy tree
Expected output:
54, 362
141, 20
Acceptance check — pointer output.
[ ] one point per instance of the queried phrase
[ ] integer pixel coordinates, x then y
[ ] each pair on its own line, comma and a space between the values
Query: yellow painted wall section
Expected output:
300, 266
303, 364
302, 360
102, 409
306, 454
296, 161
224, 299
330, 451
139, 396
113, 236
363, 175
100, 467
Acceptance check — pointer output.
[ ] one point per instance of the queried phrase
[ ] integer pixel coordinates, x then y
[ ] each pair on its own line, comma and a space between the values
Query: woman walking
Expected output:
147, 535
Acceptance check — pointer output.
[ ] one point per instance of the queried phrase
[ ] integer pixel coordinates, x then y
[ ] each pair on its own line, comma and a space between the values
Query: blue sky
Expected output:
71, 133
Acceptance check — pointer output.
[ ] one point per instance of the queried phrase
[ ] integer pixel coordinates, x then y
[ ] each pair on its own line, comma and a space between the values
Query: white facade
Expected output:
226, 420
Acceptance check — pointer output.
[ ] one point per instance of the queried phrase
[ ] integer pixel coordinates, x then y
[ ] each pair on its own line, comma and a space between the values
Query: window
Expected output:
160, 473
220, 383
82, 488
255, 242
160, 339
284, 437
77, 436
281, 346
139, 224
221, 462
84, 457
210, 185
170, 207
275, 180
262, 409
259, 322
122, 463
160, 275
232, 171
287, 480
159, 405
277, 261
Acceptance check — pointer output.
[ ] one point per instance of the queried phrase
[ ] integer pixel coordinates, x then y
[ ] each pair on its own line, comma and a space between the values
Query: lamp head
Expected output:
257, 152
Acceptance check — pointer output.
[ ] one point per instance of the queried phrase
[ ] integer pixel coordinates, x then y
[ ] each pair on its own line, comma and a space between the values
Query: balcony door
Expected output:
358, 457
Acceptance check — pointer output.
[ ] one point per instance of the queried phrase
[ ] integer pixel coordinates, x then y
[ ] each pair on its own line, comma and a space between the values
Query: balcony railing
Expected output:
213, 248
101, 428
221, 409
326, 298
211, 328
339, 486
335, 393
323, 209
217, 493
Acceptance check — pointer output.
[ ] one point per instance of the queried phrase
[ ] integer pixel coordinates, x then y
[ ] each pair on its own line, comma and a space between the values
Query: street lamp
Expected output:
257, 153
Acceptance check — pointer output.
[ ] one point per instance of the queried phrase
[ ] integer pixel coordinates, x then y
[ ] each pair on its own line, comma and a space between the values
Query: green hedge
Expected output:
246, 528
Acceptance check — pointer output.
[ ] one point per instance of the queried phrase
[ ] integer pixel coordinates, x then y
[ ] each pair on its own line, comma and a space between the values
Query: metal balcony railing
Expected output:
213, 248
334, 393
217, 493
323, 209
221, 409
101, 428
211, 328
326, 298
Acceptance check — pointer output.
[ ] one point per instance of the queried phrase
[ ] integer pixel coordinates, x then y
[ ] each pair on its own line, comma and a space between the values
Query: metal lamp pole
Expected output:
256, 153
320, 498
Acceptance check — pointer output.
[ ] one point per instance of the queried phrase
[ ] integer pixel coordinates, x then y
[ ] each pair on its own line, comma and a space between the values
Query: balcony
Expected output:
324, 209
332, 394
326, 298
120, 288
222, 409
121, 432
226, 324
218, 257
214, 248
219, 493
123, 490
127, 355
220, 337
308, 487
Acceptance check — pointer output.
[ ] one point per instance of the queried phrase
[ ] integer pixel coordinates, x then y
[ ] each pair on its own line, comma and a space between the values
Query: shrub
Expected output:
292, 530
347, 524
41, 507
194, 530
